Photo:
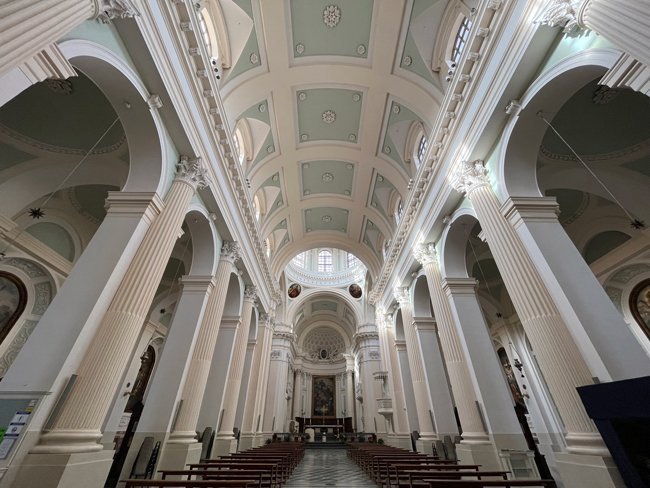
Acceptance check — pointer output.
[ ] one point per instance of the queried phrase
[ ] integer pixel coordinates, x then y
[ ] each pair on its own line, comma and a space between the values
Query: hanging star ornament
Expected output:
36, 213
638, 224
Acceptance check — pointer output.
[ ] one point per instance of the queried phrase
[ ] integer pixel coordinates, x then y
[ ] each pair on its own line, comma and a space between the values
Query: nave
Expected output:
328, 467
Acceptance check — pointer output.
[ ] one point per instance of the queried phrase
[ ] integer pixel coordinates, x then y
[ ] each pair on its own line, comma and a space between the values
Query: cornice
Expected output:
486, 21
201, 111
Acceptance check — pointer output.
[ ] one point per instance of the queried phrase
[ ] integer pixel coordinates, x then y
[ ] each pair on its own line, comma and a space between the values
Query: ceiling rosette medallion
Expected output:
332, 16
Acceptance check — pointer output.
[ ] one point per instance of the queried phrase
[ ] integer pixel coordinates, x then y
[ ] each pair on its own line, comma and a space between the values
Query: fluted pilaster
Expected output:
28, 26
457, 368
416, 365
563, 366
78, 426
199, 368
236, 369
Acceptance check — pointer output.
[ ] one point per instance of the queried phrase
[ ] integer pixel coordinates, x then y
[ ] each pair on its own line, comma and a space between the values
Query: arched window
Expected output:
461, 39
205, 34
325, 261
299, 260
399, 210
422, 148
238, 139
352, 260
258, 211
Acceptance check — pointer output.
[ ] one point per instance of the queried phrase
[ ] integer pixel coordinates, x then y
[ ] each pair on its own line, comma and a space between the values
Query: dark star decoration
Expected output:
36, 213
638, 224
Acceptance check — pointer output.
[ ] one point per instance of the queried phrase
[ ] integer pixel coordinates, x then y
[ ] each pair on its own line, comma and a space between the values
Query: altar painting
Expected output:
323, 396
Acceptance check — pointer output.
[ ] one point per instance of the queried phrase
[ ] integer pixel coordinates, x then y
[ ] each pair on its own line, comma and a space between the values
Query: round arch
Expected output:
310, 294
522, 136
129, 97
205, 241
453, 243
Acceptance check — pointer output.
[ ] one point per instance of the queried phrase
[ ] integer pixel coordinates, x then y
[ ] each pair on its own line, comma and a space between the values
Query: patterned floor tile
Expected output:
324, 468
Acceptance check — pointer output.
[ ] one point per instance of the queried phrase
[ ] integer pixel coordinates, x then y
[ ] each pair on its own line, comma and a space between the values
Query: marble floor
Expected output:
328, 467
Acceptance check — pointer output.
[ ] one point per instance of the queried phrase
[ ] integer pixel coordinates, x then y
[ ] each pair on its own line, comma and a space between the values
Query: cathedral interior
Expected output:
227, 225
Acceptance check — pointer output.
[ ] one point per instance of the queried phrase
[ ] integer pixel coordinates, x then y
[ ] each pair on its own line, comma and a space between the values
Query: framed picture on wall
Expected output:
13, 298
640, 305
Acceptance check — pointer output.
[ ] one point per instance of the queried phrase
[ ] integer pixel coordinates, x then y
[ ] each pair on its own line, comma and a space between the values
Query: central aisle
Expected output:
328, 467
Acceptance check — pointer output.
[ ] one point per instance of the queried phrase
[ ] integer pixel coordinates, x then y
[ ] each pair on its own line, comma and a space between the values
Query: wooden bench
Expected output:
416, 478
488, 483
262, 477
190, 483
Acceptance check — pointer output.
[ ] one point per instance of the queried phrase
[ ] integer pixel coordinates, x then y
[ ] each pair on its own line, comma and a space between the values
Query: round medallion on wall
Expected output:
294, 290
355, 290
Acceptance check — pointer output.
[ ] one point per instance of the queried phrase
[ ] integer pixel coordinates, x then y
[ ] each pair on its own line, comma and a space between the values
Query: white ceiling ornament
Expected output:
329, 116
300, 48
352, 137
356, 97
328, 177
302, 96
326, 219
361, 49
407, 61
304, 137
332, 16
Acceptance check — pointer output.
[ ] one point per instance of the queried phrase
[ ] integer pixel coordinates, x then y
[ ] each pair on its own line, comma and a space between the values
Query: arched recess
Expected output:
39, 288
421, 298
312, 294
205, 242
522, 136
453, 244
234, 296
128, 95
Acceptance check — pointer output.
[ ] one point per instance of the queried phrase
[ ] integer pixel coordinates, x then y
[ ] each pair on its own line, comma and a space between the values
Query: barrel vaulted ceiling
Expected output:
326, 95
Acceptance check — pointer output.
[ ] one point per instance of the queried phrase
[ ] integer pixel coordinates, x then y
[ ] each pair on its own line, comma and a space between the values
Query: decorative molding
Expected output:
469, 176
401, 294
116, 9
332, 16
620, 153
629, 73
230, 252
561, 13
426, 253
329, 116
250, 293
192, 171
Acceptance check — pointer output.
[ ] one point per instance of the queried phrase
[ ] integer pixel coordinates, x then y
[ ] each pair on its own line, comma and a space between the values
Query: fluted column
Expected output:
559, 358
457, 369
225, 436
622, 22
199, 368
260, 406
349, 391
276, 402
416, 366
249, 419
399, 421
367, 347
78, 426
28, 26
298, 394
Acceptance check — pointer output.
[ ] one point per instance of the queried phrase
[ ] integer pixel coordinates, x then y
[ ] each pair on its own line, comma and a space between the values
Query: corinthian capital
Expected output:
192, 171
561, 13
250, 293
470, 175
230, 251
108, 10
401, 294
425, 253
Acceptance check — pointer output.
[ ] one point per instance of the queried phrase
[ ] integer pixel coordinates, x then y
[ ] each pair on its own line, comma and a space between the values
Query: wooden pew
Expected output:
219, 465
137, 483
488, 483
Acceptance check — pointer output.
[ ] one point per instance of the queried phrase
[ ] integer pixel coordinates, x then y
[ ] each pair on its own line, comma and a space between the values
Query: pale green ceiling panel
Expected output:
412, 60
331, 29
283, 242
330, 114
273, 180
55, 237
381, 194
267, 148
323, 306
327, 177
390, 150
10, 156
258, 111
246, 6
372, 237
281, 225
326, 218
249, 58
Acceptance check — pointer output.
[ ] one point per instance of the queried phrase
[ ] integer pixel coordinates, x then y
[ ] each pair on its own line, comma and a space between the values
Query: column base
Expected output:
399, 440
76, 470
246, 441
178, 456
425, 444
224, 446
485, 454
580, 471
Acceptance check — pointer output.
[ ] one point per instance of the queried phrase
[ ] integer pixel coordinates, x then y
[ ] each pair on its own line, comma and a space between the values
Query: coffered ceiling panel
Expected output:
326, 218
327, 177
394, 143
382, 197
259, 121
329, 114
373, 237
239, 17
335, 29
324, 305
